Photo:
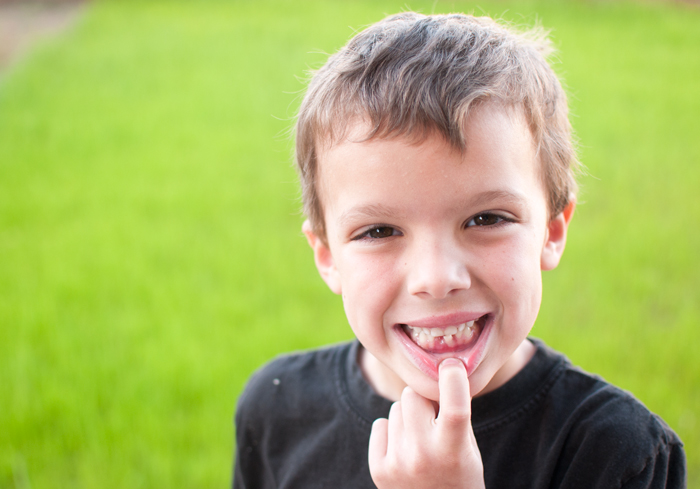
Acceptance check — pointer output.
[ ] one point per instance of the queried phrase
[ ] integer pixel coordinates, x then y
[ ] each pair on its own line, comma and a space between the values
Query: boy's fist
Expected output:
414, 449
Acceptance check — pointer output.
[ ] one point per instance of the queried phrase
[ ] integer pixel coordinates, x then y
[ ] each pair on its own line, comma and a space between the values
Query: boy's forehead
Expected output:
361, 130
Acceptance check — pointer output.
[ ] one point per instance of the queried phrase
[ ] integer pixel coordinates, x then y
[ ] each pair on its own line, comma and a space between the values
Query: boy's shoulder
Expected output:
574, 426
326, 380
595, 404
298, 424
614, 429
297, 376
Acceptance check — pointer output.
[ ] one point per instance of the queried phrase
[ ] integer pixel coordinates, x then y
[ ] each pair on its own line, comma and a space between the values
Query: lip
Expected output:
445, 320
428, 362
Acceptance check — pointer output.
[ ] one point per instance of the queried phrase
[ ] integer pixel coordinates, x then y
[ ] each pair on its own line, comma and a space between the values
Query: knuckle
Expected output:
379, 424
408, 393
455, 417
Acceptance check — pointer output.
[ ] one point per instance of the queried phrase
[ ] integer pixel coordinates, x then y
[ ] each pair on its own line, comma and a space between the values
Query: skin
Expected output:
422, 234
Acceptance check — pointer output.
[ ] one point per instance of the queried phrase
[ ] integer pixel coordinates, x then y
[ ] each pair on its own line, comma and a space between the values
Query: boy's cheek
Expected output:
369, 282
513, 272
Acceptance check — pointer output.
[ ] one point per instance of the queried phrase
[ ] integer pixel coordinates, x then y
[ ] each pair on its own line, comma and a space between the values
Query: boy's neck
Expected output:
383, 380
515, 363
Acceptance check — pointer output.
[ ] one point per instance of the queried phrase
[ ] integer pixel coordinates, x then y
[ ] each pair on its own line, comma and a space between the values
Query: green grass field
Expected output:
150, 248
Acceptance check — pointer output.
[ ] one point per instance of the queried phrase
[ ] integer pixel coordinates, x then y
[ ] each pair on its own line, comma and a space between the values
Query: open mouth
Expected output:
428, 346
444, 340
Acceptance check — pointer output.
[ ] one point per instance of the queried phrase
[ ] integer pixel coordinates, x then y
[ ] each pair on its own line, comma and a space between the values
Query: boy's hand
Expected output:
413, 449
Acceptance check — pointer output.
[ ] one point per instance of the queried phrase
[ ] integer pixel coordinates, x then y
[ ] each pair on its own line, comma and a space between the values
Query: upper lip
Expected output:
445, 320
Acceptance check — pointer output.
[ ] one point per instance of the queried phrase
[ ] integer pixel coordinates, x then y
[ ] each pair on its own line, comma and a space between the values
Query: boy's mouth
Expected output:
428, 346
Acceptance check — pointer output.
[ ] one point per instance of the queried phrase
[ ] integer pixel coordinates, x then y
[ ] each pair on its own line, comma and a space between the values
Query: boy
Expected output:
437, 166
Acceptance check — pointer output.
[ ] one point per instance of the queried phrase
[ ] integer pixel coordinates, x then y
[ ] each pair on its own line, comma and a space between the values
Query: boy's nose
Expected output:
437, 269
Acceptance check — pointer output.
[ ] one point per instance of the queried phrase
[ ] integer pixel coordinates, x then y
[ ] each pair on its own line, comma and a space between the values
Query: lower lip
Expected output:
428, 362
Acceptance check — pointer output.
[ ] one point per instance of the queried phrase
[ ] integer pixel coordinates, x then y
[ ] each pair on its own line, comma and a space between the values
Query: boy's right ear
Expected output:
323, 258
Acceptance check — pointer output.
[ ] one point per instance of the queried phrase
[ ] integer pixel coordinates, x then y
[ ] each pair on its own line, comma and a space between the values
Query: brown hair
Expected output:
414, 75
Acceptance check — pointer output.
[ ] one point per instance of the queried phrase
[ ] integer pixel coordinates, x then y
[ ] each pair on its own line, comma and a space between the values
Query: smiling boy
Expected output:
437, 166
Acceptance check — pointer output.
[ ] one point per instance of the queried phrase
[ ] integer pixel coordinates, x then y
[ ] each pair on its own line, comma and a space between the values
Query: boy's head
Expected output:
436, 164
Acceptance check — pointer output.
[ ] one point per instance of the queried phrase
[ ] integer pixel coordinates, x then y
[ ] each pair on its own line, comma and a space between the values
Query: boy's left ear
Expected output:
556, 237
323, 258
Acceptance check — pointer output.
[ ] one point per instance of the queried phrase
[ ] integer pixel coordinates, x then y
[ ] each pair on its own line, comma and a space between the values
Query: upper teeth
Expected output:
450, 330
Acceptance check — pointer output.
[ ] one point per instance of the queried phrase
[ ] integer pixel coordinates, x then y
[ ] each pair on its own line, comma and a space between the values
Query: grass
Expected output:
150, 252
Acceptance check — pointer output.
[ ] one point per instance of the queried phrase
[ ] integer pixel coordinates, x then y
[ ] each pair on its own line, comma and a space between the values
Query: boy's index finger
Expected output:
455, 400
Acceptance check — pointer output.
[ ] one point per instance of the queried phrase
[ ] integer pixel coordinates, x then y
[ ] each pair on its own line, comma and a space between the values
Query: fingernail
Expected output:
450, 362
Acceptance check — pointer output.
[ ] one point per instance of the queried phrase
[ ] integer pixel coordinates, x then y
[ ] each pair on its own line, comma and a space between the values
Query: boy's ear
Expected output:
555, 240
323, 258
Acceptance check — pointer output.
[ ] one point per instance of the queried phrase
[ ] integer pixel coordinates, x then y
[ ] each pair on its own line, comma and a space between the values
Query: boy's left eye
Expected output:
486, 220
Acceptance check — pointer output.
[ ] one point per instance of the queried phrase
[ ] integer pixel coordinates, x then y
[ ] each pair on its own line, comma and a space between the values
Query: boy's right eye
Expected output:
378, 232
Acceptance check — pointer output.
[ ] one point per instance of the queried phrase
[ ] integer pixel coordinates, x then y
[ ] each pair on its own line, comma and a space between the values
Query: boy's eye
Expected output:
379, 232
485, 220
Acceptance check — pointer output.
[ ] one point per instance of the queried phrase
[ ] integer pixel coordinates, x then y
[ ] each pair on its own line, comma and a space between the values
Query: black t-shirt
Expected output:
304, 421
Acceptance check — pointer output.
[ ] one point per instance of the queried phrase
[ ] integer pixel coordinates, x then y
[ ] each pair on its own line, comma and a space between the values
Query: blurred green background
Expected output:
150, 248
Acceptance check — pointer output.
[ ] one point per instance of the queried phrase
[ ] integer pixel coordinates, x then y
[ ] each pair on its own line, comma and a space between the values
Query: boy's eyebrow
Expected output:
368, 211
489, 196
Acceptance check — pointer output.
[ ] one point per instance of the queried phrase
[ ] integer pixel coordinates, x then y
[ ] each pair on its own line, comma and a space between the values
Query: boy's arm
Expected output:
416, 449
251, 470
248, 467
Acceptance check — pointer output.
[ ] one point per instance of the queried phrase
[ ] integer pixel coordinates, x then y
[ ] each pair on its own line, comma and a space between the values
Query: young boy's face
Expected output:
439, 253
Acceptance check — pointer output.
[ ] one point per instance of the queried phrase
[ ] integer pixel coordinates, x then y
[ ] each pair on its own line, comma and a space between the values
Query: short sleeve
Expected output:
665, 469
